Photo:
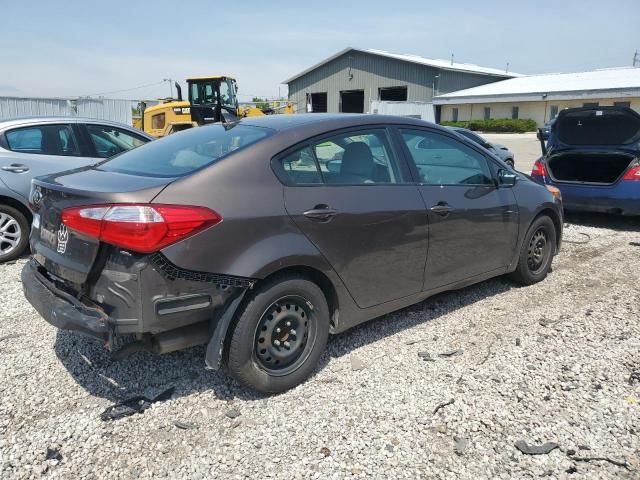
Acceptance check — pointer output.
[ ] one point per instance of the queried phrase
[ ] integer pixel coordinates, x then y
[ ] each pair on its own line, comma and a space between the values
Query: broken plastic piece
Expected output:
133, 405
527, 449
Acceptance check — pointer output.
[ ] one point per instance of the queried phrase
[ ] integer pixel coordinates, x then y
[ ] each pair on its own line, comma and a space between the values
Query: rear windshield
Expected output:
185, 152
598, 127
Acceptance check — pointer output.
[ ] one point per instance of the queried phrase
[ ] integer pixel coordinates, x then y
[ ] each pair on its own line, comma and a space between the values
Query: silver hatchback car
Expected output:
31, 147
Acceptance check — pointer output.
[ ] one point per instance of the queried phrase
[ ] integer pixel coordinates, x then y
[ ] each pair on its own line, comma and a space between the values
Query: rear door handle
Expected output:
320, 213
15, 168
442, 209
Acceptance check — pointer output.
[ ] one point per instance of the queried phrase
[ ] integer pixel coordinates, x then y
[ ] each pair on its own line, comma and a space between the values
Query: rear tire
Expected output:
280, 334
536, 252
14, 233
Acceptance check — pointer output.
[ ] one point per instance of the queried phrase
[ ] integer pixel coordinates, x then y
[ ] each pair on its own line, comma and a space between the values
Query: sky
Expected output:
81, 47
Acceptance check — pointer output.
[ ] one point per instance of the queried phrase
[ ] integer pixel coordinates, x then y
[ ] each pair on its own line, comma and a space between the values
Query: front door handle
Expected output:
442, 209
16, 168
320, 212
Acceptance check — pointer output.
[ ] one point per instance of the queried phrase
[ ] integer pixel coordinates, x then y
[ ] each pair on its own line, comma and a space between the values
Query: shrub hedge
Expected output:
519, 125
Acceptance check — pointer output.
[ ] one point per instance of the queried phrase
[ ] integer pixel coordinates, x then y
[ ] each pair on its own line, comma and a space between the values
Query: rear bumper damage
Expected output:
140, 302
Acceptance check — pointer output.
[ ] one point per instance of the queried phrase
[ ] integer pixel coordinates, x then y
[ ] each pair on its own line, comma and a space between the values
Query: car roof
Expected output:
328, 121
25, 121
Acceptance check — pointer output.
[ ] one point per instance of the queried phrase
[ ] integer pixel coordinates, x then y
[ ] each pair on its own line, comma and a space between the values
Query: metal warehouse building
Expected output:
352, 79
540, 97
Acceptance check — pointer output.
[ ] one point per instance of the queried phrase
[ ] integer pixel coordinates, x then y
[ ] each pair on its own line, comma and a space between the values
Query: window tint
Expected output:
300, 167
441, 160
178, 155
158, 121
110, 141
357, 158
44, 139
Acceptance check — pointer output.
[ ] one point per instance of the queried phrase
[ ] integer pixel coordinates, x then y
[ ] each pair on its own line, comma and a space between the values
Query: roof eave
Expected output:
536, 96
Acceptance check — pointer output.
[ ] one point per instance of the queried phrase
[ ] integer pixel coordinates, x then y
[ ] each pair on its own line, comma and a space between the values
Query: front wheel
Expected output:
280, 335
536, 252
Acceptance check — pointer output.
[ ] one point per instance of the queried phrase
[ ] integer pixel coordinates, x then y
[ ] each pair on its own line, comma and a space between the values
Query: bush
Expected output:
519, 125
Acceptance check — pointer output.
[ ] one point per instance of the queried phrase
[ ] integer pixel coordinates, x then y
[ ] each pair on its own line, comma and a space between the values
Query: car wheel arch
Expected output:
555, 218
18, 205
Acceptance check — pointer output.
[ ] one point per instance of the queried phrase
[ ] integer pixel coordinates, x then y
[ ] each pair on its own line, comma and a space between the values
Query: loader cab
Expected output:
213, 99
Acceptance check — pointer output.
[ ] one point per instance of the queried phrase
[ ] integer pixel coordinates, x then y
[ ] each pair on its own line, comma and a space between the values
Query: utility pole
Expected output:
170, 85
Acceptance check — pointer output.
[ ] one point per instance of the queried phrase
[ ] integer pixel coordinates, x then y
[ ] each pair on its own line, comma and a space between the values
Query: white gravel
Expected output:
547, 363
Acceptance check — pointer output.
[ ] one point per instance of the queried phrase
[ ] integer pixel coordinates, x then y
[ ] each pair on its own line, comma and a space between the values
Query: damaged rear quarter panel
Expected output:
147, 294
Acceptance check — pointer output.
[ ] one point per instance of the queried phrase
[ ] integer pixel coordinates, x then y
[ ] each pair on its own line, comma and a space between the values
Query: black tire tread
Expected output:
243, 329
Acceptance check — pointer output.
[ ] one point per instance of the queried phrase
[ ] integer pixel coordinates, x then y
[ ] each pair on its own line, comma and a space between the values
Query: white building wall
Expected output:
540, 111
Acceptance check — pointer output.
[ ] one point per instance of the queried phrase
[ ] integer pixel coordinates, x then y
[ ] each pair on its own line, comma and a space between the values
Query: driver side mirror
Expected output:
506, 177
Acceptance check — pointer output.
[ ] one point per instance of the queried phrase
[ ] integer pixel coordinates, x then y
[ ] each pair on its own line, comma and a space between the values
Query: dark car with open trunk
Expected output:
593, 157
261, 237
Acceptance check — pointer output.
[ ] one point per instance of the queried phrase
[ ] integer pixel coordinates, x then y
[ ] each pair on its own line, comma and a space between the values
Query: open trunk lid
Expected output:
63, 252
589, 127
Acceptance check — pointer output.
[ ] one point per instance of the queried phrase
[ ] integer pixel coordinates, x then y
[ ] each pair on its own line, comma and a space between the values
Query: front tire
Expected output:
280, 334
536, 252
14, 233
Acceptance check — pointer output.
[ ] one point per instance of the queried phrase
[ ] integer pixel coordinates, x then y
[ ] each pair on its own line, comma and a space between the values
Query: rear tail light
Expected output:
539, 169
139, 228
632, 174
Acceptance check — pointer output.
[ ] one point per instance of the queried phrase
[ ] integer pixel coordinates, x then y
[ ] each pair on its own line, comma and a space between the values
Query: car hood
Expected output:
596, 127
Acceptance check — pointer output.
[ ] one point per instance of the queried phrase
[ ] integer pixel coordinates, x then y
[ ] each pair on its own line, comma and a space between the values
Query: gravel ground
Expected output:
554, 362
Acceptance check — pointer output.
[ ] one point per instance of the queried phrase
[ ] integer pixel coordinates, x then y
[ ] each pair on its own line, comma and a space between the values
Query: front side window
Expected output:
178, 155
43, 139
109, 141
357, 158
441, 160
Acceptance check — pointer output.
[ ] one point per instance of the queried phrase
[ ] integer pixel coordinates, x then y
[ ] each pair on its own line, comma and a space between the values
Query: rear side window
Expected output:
44, 140
300, 167
357, 158
186, 152
109, 141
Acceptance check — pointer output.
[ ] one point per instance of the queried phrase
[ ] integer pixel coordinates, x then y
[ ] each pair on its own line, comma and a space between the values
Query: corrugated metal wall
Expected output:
368, 72
104, 108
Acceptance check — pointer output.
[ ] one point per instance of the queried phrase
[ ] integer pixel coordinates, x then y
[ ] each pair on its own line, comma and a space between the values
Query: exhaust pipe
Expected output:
178, 90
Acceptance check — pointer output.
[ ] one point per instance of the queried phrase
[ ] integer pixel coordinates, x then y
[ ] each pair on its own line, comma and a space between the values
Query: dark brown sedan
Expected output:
259, 238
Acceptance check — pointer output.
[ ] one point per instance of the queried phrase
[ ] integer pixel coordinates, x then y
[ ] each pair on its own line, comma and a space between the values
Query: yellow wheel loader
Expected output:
211, 99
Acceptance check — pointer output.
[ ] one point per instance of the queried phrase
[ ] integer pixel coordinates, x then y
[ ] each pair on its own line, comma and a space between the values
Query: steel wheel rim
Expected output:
285, 335
538, 251
10, 234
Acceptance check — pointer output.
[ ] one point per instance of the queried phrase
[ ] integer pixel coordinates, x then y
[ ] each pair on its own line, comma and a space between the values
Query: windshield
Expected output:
185, 152
204, 92
472, 136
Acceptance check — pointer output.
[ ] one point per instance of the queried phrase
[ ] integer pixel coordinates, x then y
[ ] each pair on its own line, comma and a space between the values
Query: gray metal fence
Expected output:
102, 108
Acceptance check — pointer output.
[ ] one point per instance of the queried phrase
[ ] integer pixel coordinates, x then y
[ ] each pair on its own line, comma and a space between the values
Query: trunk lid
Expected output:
63, 252
596, 127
